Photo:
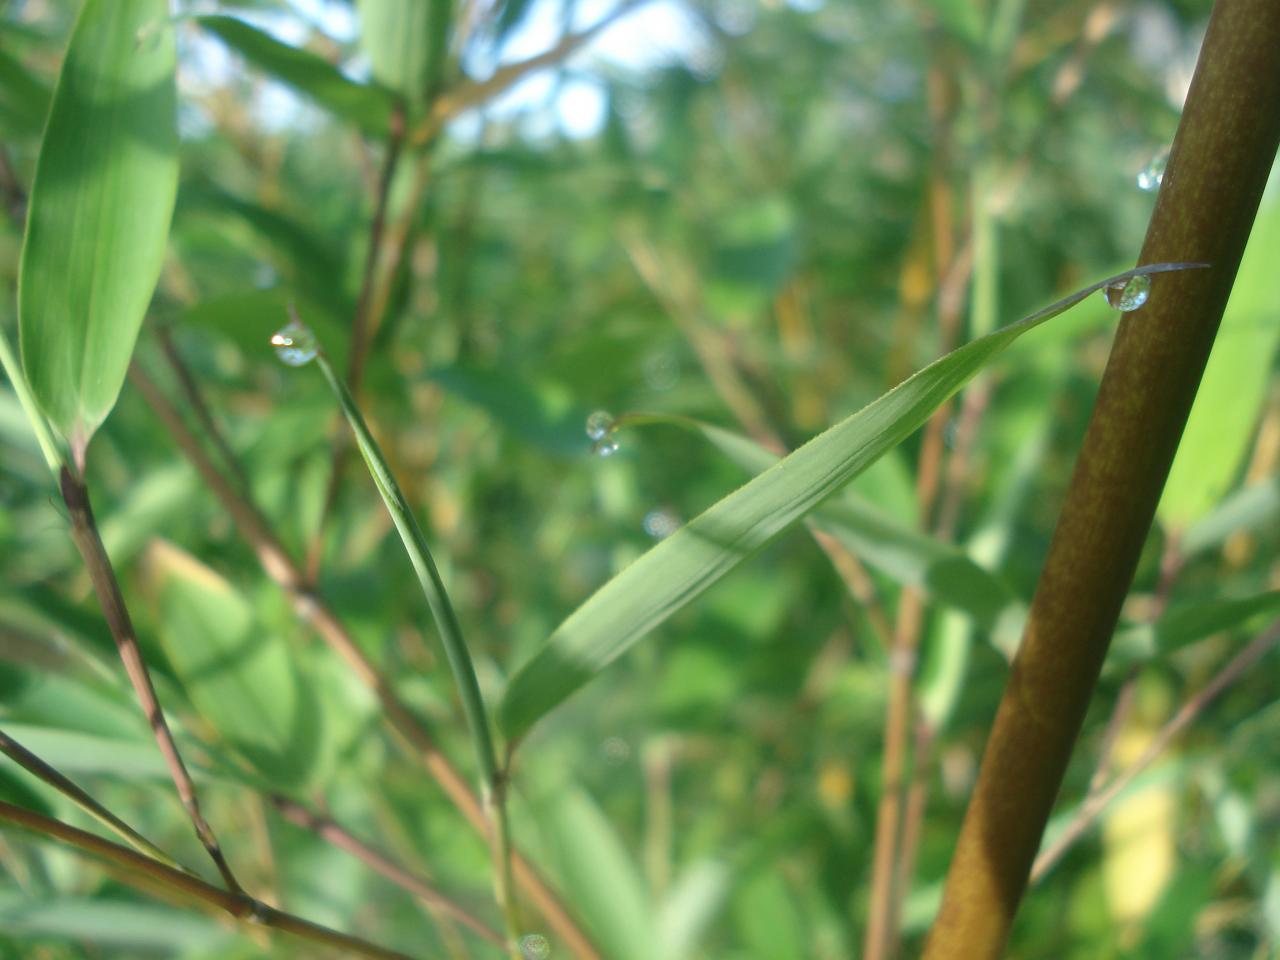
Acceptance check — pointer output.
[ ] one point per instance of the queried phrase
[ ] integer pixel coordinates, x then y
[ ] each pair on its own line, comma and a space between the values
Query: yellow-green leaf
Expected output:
100, 210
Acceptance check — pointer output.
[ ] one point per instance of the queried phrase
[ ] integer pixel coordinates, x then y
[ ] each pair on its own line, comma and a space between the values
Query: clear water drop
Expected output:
600, 425
606, 446
295, 343
616, 751
1152, 175
660, 523
534, 946
1130, 294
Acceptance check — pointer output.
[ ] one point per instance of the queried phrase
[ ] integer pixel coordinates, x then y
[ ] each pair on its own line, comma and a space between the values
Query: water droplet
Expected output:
660, 523
599, 426
606, 446
616, 751
661, 371
295, 343
1152, 175
534, 946
1127, 295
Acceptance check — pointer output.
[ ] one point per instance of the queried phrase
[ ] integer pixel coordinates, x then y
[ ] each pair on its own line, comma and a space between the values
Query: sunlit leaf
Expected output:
99, 211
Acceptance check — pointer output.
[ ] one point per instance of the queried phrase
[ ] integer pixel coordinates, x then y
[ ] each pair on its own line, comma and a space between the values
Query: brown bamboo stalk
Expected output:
1219, 164
158, 877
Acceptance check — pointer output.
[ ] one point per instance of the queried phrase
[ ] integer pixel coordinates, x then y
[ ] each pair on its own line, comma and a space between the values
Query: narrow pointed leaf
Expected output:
368, 107
905, 555
100, 210
687, 563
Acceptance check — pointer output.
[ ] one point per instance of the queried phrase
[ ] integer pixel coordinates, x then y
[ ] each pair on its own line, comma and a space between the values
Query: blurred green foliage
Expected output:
760, 233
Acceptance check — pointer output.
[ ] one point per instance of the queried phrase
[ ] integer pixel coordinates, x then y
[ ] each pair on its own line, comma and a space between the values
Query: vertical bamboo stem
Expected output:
1219, 164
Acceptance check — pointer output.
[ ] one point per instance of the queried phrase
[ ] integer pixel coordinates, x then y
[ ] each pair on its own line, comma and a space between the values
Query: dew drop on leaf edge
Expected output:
599, 425
295, 344
1128, 295
534, 946
1152, 175
606, 446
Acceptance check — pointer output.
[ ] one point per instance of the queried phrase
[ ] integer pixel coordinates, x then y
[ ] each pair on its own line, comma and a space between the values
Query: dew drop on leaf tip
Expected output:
599, 425
1152, 175
1130, 294
606, 446
534, 946
295, 344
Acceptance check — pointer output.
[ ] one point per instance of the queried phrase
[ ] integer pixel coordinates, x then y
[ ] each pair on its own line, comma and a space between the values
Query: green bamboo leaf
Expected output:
1233, 390
368, 107
406, 42
896, 550
681, 567
241, 681
100, 210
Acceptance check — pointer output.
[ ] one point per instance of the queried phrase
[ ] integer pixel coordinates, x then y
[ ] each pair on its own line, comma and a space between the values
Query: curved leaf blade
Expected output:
681, 567
100, 209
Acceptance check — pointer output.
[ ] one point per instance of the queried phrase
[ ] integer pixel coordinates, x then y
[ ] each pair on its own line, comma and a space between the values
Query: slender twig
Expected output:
363, 324
195, 400
50, 775
311, 607
476, 92
332, 832
493, 777
159, 877
84, 532
15, 197
888, 878
1218, 167
1101, 797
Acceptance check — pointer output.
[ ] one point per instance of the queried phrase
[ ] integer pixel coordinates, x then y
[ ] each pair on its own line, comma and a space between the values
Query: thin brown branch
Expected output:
888, 876
332, 832
60, 782
1099, 799
473, 93
363, 325
84, 532
312, 609
857, 581
677, 293
158, 877
194, 397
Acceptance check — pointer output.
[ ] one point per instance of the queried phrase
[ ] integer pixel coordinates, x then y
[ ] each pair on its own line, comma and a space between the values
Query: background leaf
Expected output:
239, 678
1235, 382
99, 211
367, 106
